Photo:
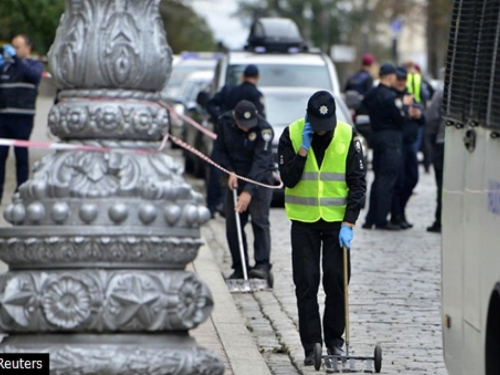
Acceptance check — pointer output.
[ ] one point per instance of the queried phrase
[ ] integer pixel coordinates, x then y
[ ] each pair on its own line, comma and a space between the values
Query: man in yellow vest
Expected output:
322, 166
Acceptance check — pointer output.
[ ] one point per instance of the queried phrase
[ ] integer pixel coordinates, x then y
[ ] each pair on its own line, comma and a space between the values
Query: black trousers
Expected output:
407, 180
15, 127
308, 239
387, 153
438, 163
215, 190
258, 209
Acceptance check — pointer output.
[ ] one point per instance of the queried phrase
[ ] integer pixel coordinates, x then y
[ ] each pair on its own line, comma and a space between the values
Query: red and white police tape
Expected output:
80, 147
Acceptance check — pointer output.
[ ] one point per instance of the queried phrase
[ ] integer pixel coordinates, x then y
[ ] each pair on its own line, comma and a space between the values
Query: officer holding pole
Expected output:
322, 167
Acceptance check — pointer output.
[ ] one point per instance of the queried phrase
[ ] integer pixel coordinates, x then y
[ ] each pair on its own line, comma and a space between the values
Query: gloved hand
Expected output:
1, 60
345, 236
307, 135
9, 50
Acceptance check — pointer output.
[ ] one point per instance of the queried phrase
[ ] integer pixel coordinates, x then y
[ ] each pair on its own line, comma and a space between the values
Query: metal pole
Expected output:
346, 299
240, 236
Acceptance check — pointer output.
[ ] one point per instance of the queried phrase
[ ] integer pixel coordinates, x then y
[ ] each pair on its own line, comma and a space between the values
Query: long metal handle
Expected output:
240, 236
346, 299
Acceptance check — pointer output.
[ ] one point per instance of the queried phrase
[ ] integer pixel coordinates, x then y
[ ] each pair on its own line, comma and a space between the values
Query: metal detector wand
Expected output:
346, 299
240, 236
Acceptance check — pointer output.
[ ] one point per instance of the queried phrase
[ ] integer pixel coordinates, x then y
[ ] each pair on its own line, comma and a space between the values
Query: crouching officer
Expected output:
244, 146
322, 166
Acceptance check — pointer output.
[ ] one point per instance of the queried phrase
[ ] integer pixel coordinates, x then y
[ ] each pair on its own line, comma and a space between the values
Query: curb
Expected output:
241, 350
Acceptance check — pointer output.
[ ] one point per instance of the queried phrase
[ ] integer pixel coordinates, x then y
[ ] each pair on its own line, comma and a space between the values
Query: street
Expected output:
394, 293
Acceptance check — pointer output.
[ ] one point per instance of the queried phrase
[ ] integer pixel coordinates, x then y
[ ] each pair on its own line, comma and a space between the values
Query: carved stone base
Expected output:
165, 354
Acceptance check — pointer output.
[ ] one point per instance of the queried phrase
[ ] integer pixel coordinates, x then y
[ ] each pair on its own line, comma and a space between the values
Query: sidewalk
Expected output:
225, 332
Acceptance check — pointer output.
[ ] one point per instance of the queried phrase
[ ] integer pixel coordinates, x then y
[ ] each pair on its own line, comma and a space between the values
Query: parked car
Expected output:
183, 65
185, 102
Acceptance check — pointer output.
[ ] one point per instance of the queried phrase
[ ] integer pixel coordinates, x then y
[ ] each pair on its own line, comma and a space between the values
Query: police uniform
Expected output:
249, 154
19, 80
246, 91
408, 176
387, 117
324, 191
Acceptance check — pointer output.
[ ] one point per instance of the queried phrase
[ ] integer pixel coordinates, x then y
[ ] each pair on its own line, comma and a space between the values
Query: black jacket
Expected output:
248, 154
385, 108
411, 126
245, 91
291, 166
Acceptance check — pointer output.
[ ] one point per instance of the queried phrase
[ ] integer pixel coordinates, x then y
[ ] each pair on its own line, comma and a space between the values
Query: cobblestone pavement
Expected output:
394, 293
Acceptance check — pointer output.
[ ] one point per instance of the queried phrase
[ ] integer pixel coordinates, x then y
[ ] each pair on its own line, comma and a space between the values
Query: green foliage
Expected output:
36, 18
186, 31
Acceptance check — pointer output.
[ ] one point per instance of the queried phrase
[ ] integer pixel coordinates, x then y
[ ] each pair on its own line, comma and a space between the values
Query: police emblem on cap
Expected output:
252, 136
323, 110
267, 135
247, 115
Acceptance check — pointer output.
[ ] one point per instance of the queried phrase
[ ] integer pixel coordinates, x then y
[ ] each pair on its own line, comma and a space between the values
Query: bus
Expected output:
471, 191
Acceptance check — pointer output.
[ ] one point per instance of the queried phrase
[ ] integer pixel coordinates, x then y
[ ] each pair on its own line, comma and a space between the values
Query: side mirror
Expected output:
202, 98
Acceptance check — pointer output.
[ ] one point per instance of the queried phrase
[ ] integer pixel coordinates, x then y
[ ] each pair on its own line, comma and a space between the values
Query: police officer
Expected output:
387, 117
362, 81
322, 166
215, 191
244, 146
19, 79
247, 90
408, 175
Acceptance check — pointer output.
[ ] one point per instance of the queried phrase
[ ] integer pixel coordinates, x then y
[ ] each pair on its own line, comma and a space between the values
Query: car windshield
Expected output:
285, 75
181, 71
284, 108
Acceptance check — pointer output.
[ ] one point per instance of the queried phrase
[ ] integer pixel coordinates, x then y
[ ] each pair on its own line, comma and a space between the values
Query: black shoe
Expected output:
335, 350
260, 271
435, 228
367, 226
309, 360
401, 221
388, 226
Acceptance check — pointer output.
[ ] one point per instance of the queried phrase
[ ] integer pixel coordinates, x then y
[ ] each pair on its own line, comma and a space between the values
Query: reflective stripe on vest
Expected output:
414, 84
321, 192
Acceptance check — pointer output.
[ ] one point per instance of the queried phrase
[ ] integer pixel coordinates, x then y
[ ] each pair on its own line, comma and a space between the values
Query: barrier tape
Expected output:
189, 120
67, 146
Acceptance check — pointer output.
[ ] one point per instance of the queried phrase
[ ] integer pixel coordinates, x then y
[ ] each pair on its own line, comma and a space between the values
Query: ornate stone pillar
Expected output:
101, 239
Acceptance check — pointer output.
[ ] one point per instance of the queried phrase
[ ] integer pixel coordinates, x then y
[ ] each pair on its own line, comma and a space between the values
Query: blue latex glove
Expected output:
1, 60
307, 135
9, 50
345, 236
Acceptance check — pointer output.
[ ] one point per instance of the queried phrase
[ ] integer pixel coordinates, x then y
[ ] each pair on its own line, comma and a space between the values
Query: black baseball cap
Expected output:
245, 114
387, 69
321, 111
401, 72
251, 71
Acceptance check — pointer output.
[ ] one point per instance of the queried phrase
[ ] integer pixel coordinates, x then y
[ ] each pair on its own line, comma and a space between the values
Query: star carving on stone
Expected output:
15, 305
135, 302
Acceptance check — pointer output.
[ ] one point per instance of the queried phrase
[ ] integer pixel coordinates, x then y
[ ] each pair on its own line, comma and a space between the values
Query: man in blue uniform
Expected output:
247, 90
362, 81
387, 116
408, 174
19, 79
244, 147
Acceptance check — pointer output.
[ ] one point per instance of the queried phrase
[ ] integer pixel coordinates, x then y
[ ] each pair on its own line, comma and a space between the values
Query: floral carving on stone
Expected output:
67, 302
19, 299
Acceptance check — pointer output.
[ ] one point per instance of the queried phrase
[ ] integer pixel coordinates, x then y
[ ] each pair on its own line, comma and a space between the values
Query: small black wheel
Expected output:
270, 280
318, 351
378, 358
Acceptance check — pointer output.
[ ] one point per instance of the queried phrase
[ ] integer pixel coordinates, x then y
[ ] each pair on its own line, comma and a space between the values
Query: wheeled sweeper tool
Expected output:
246, 285
347, 363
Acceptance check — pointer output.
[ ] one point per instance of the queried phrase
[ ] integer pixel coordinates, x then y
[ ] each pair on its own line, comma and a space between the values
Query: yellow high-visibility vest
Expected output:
322, 191
414, 85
